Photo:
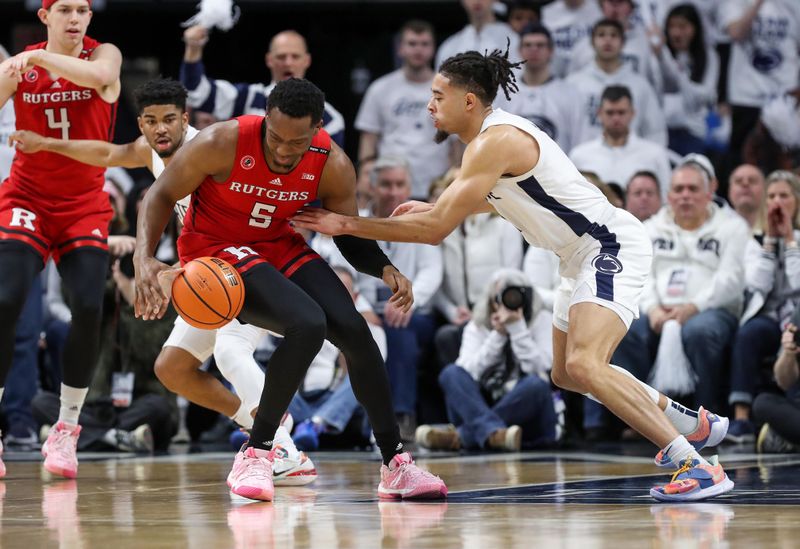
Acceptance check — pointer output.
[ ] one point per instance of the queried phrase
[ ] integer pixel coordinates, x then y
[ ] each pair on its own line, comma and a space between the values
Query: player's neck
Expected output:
536, 77
618, 141
608, 65
56, 46
474, 126
421, 74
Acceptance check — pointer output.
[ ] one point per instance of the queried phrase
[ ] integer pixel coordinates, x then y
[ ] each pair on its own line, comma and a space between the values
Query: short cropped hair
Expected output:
298, 98
161, 91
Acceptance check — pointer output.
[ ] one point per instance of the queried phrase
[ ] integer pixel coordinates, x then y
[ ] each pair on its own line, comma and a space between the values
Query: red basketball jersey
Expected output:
64, 110
254, 204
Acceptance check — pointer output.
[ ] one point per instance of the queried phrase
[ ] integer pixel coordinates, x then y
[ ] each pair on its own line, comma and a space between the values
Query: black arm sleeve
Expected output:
364, 255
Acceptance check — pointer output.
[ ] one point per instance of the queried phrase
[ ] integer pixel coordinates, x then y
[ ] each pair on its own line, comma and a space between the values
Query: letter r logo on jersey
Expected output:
23, 218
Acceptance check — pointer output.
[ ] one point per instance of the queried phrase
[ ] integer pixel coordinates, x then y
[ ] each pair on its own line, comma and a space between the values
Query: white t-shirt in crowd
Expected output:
618, 164
8, 124
552, 107
766, 63
494, 36
397, 110
590, 82
568, 27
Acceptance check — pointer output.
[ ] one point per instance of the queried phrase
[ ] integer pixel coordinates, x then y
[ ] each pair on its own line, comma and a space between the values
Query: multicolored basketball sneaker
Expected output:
251, 475
710, 431
694, 481
402, 479
60, 450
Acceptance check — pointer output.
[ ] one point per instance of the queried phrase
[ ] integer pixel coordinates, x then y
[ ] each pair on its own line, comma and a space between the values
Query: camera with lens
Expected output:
514, 298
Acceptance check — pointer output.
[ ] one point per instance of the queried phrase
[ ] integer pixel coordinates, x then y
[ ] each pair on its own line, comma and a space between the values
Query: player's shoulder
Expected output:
219, 133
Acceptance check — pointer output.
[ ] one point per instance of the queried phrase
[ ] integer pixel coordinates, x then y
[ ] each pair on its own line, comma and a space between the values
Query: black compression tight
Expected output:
306, 309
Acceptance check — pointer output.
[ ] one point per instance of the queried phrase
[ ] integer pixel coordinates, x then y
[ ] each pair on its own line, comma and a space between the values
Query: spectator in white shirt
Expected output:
547, 101
764, 59
619, 153
570, 21
393, 117
608, 69
697, 279
408, 334
643, 195
482, 33
690, 69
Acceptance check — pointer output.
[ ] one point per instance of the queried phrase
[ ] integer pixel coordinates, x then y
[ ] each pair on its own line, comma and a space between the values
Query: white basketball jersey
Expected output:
552, 205
158, 166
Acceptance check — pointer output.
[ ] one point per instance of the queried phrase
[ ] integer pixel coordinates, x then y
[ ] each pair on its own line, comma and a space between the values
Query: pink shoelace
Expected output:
63, 444
256, 467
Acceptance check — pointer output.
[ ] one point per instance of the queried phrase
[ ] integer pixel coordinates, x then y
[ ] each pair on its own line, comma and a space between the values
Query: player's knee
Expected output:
582, 370
168, 369
308, 322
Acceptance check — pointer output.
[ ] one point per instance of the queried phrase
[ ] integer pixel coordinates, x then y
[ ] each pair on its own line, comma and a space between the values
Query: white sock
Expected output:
243, 417
652, 393
71, 403
680, 449
684, 419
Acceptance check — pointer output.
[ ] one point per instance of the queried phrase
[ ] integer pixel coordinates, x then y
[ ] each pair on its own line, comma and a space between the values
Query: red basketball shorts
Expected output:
54, 226
287, 253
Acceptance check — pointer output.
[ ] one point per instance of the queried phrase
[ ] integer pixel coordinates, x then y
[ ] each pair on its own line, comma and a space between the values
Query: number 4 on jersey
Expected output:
61, 124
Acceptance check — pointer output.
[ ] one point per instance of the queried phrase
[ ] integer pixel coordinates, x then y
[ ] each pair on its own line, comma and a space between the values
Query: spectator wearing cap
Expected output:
697, 279
619, 153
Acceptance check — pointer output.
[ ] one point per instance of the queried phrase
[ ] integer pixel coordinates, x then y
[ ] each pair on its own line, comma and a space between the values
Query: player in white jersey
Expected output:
604, 252
164, 124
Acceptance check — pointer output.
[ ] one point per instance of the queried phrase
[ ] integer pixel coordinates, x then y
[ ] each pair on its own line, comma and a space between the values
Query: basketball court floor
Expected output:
561, 500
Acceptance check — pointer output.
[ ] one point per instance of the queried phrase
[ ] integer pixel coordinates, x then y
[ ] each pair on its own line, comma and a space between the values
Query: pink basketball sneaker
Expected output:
251, 475
402, 479
60, 450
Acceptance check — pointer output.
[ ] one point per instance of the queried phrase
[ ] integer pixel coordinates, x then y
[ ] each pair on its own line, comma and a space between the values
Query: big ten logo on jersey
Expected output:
23, 218
229, 275
241, 252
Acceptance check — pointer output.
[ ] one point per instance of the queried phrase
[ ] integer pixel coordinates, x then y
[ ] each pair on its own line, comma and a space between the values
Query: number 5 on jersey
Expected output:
257, 217
61, 124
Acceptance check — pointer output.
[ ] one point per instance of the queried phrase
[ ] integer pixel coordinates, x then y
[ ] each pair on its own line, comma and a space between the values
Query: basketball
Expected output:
209, 293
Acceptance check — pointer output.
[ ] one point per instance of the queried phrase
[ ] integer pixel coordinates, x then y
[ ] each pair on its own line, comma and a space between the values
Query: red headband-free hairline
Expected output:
47, 3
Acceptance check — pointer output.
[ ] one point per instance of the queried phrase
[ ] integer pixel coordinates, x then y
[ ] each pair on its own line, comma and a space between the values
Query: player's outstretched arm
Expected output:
8, 84
210, 154
485, 160
337, 190
95, 153
99, 72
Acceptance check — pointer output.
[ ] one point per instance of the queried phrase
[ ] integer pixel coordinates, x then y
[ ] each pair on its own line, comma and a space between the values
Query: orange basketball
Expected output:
209, 293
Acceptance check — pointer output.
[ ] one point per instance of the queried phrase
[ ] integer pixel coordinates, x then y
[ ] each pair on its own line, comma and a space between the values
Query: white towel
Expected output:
672, 373
222, 14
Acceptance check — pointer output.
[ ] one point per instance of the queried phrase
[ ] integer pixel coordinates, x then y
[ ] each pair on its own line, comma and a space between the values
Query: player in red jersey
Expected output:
66, 87
247, 177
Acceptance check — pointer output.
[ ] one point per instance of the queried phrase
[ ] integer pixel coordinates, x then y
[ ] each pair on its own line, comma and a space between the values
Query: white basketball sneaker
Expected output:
291, 466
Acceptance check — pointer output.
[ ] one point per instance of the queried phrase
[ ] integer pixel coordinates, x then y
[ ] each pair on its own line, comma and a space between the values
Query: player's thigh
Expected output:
241, 337
185, 349
594, 334
83, 272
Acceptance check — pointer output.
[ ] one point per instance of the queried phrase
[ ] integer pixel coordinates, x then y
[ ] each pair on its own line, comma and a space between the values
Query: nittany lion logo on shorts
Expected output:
31, 76
248, 162
607, 264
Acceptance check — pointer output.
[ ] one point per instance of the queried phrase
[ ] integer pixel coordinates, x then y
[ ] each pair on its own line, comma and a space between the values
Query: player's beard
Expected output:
440, 136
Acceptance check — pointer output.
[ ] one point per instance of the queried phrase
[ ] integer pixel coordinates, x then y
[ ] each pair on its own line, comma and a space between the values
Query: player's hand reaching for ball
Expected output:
403, 297
26, 141
320, 221
153, 287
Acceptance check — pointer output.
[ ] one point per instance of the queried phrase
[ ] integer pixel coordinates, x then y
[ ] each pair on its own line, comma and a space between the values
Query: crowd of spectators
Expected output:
684, 112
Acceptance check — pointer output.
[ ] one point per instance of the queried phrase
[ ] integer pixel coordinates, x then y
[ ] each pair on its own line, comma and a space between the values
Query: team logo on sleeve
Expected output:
607, 264
247, 162
31, 76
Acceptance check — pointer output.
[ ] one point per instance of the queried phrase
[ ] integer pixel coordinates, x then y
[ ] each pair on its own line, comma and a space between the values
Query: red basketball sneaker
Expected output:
402, 479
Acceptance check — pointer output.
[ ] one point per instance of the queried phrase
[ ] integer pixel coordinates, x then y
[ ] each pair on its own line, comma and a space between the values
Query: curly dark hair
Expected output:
482, 73
161, 91
298, 98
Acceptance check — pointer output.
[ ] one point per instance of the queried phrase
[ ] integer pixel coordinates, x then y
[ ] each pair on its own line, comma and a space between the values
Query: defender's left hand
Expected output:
319, 220
403, 297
